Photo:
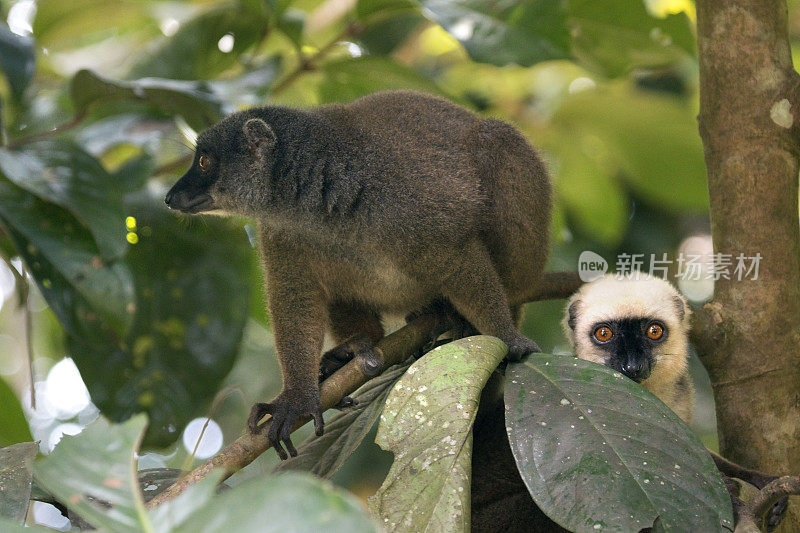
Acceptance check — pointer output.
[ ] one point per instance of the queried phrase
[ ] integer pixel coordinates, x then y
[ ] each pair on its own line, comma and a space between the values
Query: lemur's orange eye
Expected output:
655, 331
204, 162
603, 334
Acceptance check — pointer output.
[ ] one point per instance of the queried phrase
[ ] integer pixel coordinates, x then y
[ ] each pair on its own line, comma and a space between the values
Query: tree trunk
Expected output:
749, 124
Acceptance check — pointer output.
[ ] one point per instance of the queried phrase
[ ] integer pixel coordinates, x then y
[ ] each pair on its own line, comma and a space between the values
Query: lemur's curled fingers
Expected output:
286, 409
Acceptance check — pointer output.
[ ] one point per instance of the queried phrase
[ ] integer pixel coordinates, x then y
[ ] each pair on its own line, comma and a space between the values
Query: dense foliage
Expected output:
163, 315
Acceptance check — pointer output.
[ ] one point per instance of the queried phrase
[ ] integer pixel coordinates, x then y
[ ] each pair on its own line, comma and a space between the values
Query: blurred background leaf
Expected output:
505, 31
100, 102
187, 323
13, 426
17, 60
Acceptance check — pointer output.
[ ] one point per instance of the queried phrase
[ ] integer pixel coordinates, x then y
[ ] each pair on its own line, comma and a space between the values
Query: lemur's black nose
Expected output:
636, 369
168, 199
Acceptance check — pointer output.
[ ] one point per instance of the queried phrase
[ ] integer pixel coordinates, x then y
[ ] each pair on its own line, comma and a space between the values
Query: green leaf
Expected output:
653, 139
505, 31
174, 512
89, 295
193, 52
17, 60
13, 425
287, 502
382, 37
349, 79
427, 423
62, 173
16, 476
584, 174
249, 89
7, 526
344, 431
615, 38
192, 302
579, 428
194, 101
94, 475
60, 25
367, 11
291, 23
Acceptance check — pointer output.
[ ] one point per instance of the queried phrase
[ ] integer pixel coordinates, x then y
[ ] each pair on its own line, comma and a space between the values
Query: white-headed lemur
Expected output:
394, 203
638, 325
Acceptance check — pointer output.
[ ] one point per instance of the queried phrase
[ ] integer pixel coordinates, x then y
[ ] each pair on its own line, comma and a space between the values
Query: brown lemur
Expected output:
392, 204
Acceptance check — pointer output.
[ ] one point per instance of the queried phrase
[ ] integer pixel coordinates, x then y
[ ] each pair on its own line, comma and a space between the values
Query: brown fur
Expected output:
383, 205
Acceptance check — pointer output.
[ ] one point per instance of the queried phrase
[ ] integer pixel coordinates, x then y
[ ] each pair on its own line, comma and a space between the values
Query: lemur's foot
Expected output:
347, 401
370, 362
775, 515
519, 347
286, 409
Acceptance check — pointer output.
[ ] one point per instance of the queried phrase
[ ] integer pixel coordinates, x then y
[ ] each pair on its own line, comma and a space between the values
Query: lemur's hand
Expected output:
521, 346
285, 409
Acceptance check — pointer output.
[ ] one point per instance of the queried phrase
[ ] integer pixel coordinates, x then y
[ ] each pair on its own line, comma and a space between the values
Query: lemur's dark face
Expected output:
630, 344
228, 172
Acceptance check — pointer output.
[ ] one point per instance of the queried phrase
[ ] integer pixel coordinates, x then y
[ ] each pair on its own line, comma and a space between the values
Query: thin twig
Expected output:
307, 64
26, 309
394, 348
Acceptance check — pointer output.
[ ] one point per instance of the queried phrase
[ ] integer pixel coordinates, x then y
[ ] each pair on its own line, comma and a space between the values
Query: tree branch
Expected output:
751, 514
748, 111
393, 349
307, 64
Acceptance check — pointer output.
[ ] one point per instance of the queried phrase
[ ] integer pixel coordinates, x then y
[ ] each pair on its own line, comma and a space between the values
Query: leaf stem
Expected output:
307, 64
66, 126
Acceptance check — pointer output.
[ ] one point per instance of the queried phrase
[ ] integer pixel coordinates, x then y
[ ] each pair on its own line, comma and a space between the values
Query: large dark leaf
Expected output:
17, 59
616, 37
193, 52
505, 31
427, 423
192, 302
193, 101
276, 504
344, 431
599, 452
89, 295
13, 425
62, 173
16, 475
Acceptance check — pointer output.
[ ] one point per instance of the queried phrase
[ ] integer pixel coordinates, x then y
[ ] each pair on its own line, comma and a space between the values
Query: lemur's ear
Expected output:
260, 137
573, 314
